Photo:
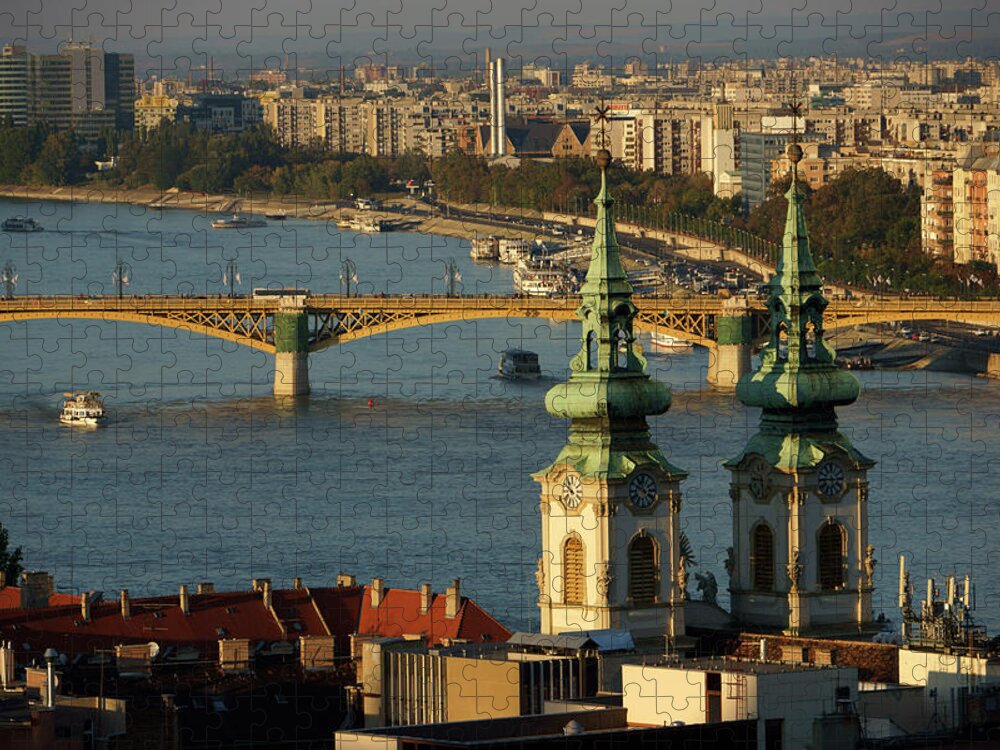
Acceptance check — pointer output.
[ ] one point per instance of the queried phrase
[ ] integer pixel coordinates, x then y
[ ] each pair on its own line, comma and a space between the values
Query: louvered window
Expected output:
762, 558
573, 581
642, 570
831, 557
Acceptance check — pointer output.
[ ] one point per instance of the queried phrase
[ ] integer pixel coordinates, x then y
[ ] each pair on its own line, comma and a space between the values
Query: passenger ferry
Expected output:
485, 249
21, 224
543, 278
83, 408
238, 222
512, 250
664, 342
518, 364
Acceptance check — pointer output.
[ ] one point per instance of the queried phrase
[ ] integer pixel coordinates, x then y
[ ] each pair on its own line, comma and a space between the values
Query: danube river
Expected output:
202, 476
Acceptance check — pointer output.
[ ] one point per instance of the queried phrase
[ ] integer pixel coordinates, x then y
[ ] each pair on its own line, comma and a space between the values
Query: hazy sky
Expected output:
451, 33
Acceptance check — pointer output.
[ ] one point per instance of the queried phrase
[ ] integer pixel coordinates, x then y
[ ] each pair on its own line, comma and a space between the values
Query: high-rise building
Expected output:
14, 84
611, 500
81, 87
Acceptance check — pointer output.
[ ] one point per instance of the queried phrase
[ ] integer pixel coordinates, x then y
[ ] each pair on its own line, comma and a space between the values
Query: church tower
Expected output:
610, 502
800, 558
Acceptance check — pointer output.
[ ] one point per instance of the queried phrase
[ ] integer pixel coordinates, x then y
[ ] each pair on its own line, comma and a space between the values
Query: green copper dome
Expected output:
798, 381
609, 394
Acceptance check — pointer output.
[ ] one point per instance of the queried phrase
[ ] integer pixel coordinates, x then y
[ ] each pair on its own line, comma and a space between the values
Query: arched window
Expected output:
621, 342
762, 558
591, 339
573, 580
782, 342
643, 570
831, 557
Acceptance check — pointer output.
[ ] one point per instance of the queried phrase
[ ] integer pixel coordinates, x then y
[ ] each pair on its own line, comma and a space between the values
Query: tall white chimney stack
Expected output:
501, 111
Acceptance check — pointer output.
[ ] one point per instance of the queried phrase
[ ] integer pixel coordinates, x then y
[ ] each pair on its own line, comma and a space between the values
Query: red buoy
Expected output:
371, 403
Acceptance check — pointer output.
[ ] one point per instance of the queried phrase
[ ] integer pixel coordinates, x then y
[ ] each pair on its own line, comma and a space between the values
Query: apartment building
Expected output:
81, 87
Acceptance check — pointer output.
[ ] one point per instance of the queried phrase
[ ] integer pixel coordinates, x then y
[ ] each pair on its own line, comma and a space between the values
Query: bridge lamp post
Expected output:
231, 277
452, 276
8, 278
348, 275
121, 276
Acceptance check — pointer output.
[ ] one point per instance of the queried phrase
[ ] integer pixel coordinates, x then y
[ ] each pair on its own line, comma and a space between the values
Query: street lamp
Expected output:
8, 278
348, 275
122, 275
452, 276
231, 277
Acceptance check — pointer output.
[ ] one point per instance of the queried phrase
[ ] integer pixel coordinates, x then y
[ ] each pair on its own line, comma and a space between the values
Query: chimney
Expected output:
297, 583
258, 583
453, 601
501, 110
126, 605
265, 591
85, 606
36, 587
346, 581
206, 587
426, 596
3, 580
378, 591
185, 600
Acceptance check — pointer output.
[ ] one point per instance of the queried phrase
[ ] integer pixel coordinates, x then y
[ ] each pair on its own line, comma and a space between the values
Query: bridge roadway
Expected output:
324, 320
335, 318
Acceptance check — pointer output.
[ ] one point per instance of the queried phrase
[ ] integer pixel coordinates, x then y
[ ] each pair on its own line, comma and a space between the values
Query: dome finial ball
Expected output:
603, 158
794, 152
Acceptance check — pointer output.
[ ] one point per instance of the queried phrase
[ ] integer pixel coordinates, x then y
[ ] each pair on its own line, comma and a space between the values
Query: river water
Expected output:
201, 475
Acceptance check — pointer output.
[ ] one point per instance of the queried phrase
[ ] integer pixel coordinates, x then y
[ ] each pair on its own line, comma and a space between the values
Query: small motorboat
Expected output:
238, 222
21, 224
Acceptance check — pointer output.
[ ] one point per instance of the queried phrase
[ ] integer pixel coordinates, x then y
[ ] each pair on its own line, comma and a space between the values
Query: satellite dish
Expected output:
154, 649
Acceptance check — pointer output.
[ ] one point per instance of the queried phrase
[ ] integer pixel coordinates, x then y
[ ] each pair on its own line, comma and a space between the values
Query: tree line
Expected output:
864, 224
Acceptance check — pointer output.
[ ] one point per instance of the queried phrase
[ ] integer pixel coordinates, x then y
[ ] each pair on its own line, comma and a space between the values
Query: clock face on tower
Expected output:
642, 490
830, 478
572, 491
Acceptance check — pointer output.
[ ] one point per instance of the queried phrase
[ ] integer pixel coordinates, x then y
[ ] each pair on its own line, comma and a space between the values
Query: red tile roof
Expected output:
340, 611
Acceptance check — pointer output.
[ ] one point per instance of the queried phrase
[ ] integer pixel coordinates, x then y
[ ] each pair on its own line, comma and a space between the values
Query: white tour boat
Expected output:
85, 408
485, 249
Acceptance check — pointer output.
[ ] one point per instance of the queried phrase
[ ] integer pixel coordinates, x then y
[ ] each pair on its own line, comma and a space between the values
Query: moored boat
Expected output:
665, 342
276, 216
21, 224
238, 222
83, 408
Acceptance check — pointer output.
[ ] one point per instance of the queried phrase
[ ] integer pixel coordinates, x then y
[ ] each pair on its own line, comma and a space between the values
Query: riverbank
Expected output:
292, 206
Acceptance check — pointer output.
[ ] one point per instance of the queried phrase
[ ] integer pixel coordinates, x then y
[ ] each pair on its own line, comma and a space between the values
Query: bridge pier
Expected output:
731, 359
291, 358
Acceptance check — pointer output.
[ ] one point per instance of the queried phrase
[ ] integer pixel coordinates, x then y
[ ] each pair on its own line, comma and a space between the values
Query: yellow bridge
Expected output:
321, 320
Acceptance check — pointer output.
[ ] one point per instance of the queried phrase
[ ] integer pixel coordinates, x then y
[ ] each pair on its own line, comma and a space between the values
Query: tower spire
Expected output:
798, 382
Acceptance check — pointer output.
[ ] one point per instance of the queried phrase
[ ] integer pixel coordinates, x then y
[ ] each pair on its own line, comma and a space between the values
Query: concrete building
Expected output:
221, 113
800, 558
976, 205
758, 151
14, 84
151, 110
793, 705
